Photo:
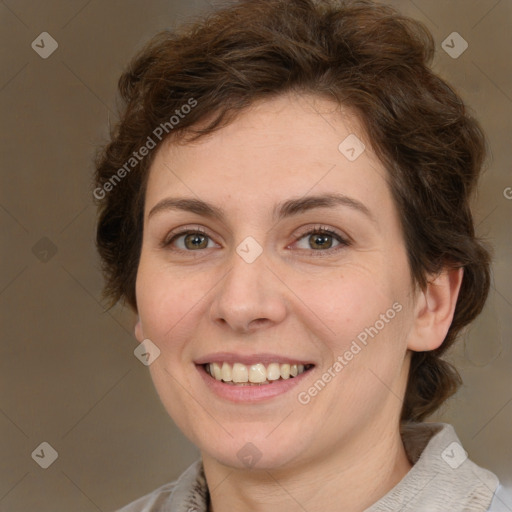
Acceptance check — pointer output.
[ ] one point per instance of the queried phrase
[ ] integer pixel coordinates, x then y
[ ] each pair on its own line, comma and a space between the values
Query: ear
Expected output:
434, 310
138, 331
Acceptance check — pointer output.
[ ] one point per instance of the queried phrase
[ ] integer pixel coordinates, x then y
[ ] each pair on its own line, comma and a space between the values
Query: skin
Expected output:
342, 450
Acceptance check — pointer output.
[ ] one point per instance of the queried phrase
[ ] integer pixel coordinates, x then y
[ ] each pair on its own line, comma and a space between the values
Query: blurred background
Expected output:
69, 377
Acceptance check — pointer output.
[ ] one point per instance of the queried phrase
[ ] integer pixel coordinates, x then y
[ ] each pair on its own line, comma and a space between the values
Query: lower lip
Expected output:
250, 393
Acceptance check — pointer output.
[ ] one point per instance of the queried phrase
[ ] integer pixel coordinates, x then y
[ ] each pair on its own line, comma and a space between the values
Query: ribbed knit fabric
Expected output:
442, 479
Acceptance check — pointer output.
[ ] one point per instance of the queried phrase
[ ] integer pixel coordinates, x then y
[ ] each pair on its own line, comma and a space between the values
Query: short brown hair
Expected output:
364, 56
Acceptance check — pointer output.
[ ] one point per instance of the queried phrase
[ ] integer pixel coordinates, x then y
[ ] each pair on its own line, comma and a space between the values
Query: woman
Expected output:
285, 205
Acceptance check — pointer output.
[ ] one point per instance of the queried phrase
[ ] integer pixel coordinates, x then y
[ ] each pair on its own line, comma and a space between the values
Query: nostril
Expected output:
257, 322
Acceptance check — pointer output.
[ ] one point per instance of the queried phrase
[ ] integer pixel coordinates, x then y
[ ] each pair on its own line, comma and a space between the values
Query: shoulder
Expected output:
190, 491
502, 500
152, 502
442, 476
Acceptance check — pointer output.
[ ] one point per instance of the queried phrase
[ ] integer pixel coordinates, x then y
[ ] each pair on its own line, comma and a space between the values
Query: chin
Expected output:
261, 451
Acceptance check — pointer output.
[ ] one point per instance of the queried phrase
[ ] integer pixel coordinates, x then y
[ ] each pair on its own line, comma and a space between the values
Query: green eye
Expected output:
194, 241
190, 241
320, 239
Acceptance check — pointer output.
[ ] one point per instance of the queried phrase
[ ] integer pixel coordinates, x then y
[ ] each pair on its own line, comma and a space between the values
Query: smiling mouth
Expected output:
239, 374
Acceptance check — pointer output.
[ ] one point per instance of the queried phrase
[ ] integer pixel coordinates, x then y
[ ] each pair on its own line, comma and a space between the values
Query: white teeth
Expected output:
217, 371
226, 372
240, 373
273, 372
285, 371
257, 373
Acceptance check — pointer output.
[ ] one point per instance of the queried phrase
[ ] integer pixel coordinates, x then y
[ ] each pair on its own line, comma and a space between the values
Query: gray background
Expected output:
69, 376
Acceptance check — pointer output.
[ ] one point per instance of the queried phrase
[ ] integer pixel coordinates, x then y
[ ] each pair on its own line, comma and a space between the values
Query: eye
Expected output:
321, 239
190, 240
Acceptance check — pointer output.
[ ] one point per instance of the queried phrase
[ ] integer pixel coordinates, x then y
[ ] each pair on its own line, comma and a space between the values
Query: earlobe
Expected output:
435, 309
138, 331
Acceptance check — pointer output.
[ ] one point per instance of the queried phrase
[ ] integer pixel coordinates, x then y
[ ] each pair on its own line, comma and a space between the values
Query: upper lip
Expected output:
249, 359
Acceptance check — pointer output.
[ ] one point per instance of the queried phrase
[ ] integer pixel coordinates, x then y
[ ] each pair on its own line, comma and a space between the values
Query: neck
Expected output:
350, 477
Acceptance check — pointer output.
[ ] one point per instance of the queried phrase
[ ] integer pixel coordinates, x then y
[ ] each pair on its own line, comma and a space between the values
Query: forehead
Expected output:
291, 145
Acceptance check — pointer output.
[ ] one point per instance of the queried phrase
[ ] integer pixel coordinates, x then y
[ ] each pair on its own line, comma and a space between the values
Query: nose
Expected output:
249, 297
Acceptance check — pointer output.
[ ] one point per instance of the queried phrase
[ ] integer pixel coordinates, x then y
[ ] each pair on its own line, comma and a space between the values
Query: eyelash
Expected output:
343, 242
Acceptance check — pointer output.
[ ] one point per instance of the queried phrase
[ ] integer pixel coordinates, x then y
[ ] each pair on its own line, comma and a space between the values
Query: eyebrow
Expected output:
282, 210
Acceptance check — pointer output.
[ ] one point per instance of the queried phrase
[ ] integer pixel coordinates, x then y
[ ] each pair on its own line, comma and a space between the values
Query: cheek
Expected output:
167, 300
168, 305
368, 314
347, 301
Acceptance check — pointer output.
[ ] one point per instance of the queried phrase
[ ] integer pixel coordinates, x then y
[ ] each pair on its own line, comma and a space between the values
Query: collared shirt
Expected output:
442, 479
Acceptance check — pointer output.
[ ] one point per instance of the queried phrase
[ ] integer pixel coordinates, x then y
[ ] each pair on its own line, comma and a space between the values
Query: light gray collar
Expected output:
442, 478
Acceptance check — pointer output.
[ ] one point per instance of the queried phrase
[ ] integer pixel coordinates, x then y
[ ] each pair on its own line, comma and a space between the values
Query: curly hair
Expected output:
363, 55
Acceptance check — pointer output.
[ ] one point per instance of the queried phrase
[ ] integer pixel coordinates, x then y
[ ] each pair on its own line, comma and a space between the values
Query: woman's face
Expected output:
272, 243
